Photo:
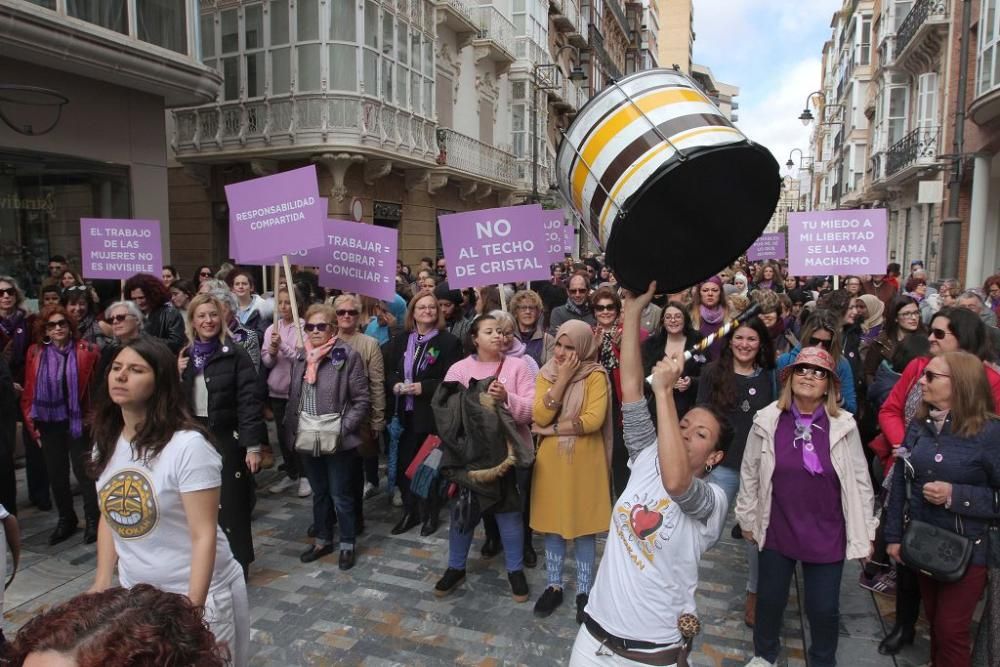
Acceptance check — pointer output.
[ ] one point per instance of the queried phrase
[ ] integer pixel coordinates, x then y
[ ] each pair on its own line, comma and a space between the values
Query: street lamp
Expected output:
576, 74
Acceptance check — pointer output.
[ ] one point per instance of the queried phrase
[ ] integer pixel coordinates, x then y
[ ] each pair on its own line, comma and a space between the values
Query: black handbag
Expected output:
466, 514
940, 554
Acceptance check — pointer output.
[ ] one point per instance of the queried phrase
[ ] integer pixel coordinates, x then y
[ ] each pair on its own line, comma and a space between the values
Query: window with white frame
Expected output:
897, 106
927, 101
865, 41
531, 19
280, 51
988, 65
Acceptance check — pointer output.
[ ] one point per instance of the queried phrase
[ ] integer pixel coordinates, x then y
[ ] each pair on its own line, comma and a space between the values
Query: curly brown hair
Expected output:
38, 331
126, 627
153, 289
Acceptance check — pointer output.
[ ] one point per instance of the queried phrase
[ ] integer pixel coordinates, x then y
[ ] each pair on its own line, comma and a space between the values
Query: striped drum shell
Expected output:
665, 183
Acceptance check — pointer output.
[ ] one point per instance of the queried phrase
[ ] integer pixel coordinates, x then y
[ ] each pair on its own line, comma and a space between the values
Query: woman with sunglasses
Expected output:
709, 312
220, 384
902, 319
415, 364
55, 402
952, 471
951, 329
205, 273
804, 446
125, 321
328, 377
823, 329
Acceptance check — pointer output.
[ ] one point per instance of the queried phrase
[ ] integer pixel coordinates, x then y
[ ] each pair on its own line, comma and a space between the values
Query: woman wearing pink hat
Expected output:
804, 446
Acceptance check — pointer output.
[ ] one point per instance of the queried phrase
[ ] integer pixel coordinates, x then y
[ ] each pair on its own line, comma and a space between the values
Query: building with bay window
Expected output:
92, 141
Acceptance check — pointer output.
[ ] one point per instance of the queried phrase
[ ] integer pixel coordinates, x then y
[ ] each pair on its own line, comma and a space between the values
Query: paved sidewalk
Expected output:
383, 611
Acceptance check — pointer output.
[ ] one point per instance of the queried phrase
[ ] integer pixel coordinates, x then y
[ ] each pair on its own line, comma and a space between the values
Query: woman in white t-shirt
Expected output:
660, 526
158, 491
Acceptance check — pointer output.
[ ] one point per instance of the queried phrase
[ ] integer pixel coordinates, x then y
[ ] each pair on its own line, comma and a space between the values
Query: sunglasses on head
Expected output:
58, 324
820, 342
805, 370
605, 308
319, 326
117, 319
939, 334
345, 313
8, 291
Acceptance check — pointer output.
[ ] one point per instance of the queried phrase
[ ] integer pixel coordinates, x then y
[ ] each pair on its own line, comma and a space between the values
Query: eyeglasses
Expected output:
117, 319
58, 324
581, 290
205, 274
676, 317
908, 314
940, 334
930, 376
319, 326
825, 343
814, 371
345, 313
605, 308
8, 291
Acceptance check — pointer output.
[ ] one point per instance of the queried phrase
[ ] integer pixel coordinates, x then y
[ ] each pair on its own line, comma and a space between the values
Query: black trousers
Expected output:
8, 479
62, 450
290, 457
36, 470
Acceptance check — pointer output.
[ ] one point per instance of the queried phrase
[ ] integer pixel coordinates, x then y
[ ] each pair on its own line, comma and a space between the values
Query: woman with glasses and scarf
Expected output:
415, 364
804, 446
55, 401
951, 329
709, 312
80, 306
220, 384
823, 329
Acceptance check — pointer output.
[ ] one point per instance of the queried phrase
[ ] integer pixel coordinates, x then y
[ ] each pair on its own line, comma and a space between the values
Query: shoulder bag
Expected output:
318, 435
936, 552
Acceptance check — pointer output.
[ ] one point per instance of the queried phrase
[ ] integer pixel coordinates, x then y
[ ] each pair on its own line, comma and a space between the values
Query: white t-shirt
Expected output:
141, 503
649, 572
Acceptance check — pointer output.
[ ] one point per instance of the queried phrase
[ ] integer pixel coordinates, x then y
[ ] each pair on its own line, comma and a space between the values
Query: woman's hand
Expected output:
748, 536
898, 452
275, 340
666, 373
253, 461
182, 363
567, 368
683, 384
497, 391
894, 552
542, 430
414, 389
937, 493
636, 303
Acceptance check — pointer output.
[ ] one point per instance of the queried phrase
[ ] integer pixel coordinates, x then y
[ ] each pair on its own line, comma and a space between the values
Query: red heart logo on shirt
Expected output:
644, 522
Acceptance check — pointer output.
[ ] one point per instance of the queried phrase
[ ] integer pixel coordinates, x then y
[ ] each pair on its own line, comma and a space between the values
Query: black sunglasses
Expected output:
939, 334
605, 307
9, 291
344, 313
117, 319
58, 324
319, 326
205, 274
820, 342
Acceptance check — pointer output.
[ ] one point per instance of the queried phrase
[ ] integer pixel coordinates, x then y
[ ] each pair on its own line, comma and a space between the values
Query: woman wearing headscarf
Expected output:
868, 310
741, 285
709, 313
570, 497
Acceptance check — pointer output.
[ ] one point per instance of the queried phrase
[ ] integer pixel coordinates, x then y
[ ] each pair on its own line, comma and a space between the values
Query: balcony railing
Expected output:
471, 156
457, 15
566, 16
297, 123
496, 28
525, 48
918, 147
614, 6
920, 13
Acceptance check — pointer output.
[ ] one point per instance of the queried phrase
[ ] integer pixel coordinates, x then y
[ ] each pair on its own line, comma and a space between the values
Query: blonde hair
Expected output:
347, 297
528, 297
201, 300
831, 402
323, 309
971, 404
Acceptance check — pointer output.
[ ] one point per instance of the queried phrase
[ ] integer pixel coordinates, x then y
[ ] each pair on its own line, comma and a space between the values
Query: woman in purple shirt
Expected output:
804, 447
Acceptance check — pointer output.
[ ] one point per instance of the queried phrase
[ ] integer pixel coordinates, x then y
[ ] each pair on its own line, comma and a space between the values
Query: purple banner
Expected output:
118, 249
294, 256
767, 246
558, 235
356, 258
848, 242
275, 215
496, 245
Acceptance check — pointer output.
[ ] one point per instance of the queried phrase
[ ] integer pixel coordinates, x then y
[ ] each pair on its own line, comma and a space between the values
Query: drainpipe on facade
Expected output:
951, 226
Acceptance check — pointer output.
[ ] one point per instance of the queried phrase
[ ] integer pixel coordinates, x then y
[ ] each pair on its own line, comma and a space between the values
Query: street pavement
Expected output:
383, 611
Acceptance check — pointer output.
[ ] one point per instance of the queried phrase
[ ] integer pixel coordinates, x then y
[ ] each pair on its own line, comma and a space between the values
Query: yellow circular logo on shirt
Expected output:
128, 504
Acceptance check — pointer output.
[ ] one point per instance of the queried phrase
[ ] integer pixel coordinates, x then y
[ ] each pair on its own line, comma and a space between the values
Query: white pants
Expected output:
227, 611
588, 652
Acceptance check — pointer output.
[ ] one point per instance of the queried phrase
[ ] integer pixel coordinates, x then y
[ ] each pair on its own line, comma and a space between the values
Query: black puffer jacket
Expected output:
233, 401
167, 324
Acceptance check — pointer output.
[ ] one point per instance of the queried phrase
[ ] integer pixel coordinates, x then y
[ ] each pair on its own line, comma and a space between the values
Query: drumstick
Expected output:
721, 332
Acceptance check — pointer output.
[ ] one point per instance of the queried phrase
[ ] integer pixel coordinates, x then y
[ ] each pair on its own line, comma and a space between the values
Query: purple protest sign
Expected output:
294, 256
767, 246
558, 235
495, 245
275, 215
118, 249
356, 258
837, 242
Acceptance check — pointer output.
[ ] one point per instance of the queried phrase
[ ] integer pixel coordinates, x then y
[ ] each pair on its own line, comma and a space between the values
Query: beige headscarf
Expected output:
582, 338
875, 309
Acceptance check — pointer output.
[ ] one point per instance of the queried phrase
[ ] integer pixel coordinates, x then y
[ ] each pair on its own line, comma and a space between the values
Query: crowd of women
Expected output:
523, 407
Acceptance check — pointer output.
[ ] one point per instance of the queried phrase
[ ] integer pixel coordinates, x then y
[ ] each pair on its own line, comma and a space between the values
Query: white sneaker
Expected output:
759, 662
397, 498
304, 489
370, 491
281, 485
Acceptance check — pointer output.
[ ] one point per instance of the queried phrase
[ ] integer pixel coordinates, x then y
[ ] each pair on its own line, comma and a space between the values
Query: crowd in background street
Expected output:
523, 407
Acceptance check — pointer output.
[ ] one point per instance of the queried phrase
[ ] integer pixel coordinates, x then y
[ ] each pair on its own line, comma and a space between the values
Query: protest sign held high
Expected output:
767, 246
120, 248
357, 258
837, 242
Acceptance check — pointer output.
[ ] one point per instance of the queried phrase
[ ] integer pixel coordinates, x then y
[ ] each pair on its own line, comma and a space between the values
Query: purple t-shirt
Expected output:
807, 518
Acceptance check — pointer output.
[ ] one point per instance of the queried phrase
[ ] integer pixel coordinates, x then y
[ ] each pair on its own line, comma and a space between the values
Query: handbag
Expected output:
431, 443
465, 514
940, 554
318, 435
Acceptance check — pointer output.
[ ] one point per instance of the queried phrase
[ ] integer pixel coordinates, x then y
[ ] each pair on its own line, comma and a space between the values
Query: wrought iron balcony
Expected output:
300, 125
464, 156
495, 39
917, 149
925, 18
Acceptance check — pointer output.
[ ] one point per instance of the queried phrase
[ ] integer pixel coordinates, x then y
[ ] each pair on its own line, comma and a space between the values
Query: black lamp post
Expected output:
576, 74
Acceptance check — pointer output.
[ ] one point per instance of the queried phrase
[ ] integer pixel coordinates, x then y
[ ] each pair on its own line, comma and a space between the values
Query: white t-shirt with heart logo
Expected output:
649, 572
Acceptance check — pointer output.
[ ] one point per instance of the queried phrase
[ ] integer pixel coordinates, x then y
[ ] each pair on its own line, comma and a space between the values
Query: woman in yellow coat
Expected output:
570, 497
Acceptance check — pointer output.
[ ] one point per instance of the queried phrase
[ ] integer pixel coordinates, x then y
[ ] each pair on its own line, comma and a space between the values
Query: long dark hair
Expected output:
691, 335
892, 316
723, 390
167, 411
969, 331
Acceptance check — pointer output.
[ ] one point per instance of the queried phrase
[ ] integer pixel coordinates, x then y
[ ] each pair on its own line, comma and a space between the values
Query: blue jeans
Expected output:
331, 479
586, 555
511, 536
822, 603
729, 480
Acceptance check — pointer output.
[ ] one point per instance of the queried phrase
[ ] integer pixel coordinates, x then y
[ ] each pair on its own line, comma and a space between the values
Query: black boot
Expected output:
406, 522
90, 531
896, 640
64, 530
530, 555
431, 513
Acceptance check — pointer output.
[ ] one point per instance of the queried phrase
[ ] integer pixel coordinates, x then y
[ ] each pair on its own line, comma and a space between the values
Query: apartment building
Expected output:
790, 199
93, 143
676, 37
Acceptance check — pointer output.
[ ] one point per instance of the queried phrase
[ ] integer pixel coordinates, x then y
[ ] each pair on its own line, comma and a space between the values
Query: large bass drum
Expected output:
665, 183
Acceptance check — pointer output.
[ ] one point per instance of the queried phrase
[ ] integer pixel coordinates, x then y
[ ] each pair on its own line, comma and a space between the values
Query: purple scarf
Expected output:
711, 316
50, 403
201, 352
804, 425
410, 356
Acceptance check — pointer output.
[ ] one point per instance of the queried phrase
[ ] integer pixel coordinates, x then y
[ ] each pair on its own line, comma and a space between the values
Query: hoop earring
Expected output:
46, 340
709, 468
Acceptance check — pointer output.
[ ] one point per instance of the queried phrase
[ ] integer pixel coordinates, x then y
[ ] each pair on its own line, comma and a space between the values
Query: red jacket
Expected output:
86, 361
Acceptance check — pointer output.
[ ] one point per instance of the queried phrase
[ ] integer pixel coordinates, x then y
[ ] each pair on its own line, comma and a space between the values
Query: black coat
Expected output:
429, 378
652, 352
167, 324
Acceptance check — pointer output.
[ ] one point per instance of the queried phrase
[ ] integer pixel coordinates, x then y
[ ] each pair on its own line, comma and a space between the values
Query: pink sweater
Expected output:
516, 377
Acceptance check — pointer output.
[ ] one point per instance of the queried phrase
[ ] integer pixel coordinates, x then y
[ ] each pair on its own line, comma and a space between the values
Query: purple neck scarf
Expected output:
411, 356
711, 315
51, 403
804, 424
201, 352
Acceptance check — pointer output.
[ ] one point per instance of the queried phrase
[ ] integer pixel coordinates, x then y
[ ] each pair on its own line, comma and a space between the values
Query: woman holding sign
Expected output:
415, 364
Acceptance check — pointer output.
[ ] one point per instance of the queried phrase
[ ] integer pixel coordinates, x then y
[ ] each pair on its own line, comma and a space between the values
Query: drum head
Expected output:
693, 218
